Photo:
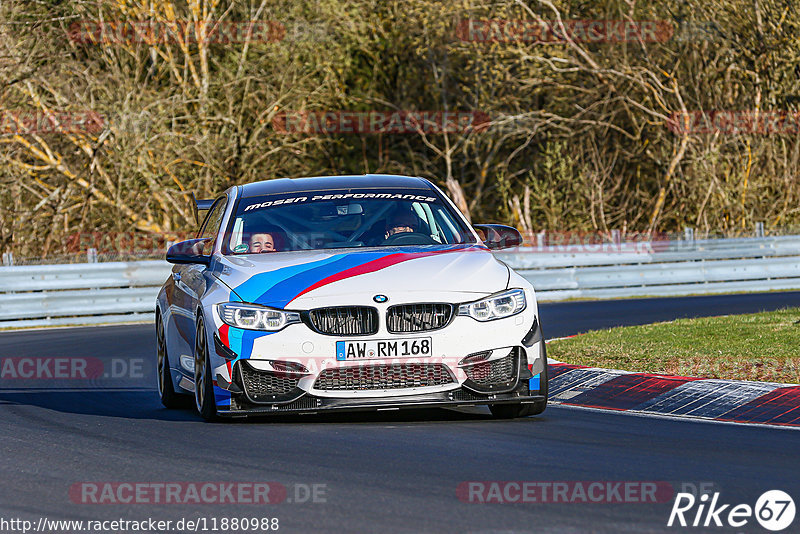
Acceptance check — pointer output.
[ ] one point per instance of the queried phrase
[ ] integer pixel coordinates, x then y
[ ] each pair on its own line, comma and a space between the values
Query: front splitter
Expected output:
310, 404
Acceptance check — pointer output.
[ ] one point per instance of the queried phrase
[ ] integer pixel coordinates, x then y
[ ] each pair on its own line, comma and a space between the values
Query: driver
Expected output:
401, 223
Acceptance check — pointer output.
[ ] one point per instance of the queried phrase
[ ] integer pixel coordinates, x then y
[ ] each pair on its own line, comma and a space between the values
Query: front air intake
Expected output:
265, 386
389, 376
498, 371
418, 317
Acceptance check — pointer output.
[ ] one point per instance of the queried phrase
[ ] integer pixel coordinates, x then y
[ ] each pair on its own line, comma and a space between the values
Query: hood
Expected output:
325, 278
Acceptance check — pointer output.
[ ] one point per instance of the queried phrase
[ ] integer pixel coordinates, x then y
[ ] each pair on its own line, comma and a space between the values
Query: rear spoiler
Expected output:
202, 204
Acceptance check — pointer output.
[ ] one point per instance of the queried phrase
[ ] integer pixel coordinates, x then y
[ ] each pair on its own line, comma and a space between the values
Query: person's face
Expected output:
262, 243
399, 228
401, 225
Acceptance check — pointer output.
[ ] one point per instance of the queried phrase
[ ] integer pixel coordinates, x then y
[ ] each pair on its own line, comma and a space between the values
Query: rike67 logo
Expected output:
774, 510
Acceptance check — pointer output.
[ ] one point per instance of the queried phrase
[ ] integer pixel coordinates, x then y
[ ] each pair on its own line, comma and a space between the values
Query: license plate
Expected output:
383, 348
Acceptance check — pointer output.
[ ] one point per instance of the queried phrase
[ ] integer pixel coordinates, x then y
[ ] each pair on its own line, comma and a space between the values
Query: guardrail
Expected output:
660, 268
87, 293
80, 293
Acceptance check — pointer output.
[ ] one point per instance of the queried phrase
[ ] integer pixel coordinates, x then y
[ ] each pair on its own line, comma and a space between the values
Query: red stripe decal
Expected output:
223, 335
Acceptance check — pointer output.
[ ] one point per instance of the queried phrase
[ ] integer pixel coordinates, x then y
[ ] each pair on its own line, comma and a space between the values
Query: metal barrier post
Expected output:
541, 240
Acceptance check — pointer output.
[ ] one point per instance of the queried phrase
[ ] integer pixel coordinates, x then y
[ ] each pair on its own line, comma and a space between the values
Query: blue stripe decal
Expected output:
280, 294
235, 339
259, 285
533, 383
241, 341
222, 397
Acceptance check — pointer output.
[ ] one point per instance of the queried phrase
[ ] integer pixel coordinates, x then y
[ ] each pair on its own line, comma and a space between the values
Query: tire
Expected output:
514, 410
203, 385
166, 391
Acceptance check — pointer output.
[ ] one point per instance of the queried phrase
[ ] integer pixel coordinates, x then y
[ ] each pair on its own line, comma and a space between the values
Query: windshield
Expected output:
343, 219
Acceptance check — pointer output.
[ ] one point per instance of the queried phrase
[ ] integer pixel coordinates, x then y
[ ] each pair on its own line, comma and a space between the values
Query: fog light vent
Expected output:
478, 357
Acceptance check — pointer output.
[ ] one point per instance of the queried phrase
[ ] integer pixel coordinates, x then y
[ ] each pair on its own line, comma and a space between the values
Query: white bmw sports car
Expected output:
346, 293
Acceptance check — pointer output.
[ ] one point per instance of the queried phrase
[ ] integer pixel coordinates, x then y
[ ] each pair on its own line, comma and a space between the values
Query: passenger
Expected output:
262, 243
267, 240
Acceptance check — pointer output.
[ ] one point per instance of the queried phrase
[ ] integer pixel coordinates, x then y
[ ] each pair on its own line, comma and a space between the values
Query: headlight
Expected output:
497, 306
252, 317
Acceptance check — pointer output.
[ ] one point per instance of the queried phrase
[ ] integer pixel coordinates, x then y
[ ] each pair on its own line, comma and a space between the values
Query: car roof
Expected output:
329, 183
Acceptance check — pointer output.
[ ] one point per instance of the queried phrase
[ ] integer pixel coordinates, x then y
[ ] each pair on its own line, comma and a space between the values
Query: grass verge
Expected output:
761, 346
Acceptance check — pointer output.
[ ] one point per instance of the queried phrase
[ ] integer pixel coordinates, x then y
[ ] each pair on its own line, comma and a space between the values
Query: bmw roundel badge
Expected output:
380, 299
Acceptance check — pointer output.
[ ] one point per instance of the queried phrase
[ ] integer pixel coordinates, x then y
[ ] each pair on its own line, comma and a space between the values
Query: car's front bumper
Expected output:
249, 358
523, 387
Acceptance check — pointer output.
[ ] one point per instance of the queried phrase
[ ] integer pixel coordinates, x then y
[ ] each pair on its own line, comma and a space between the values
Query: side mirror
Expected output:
498, 236
190, 251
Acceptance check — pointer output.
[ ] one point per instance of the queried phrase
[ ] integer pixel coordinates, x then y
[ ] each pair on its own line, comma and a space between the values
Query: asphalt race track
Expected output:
377, 472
